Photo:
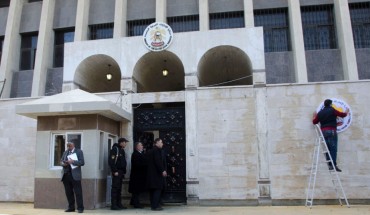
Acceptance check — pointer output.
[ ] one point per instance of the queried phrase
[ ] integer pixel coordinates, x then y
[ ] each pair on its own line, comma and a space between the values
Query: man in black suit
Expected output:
138, 174
156, 174
71, 176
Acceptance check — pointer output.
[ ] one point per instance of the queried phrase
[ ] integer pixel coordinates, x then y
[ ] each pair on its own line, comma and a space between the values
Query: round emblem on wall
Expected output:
158, 36
339, 105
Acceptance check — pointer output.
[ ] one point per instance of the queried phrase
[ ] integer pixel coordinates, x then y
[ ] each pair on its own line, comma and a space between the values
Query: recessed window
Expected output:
184, 23
226, 20
4, 3
101, 31
61, 37
28, 51
318, 27
360, 18
1, 46
137, 27
275, 25
59, 145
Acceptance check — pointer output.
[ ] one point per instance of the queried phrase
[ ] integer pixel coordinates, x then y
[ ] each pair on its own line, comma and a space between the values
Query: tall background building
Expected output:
232, 96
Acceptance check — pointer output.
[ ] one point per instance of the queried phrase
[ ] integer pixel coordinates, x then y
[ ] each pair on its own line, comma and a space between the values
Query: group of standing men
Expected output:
148, 172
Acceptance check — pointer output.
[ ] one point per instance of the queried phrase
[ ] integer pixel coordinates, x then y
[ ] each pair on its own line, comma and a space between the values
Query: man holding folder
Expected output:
72, 160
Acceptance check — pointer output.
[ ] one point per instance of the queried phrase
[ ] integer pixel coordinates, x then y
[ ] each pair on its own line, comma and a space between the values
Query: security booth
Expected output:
93, 124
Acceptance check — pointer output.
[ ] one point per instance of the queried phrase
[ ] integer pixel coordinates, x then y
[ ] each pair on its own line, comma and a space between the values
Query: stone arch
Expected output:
225, 66
91, 74
148, 72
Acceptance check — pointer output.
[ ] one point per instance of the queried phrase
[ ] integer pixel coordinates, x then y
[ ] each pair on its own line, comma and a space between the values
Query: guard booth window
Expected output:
59, 145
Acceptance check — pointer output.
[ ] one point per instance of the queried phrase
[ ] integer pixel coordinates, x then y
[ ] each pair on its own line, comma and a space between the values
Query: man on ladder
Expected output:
327, 117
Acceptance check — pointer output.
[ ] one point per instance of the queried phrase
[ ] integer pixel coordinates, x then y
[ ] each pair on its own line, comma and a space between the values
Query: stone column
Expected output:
345, 40
203, 15
82, 20
192, 163
120, 18
248, 13
44, 52
11, 47
161, 11
264, 183
296, 35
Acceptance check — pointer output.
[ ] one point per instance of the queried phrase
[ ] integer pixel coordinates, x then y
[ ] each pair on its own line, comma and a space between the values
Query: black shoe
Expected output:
157, 209
337, 169
122, 207
331, 167
80, 211
70, 210
115, 208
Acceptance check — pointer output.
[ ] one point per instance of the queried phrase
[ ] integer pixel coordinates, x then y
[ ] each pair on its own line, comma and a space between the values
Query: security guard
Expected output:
117, 163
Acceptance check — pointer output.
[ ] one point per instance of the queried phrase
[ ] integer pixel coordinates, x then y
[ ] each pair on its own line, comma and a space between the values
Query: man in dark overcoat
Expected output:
139, 166
156, 174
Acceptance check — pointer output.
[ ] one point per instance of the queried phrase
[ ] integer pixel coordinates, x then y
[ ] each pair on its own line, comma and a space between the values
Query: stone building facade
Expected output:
234, 109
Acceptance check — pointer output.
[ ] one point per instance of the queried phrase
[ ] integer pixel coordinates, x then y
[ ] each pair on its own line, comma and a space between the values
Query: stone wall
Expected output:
17, 141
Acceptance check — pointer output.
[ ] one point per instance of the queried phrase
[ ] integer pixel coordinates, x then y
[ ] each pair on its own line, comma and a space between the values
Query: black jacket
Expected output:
155, 179
117, 159
138, 172
327, 117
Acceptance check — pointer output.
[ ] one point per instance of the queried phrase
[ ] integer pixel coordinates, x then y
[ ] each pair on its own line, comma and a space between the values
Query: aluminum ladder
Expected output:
322, 148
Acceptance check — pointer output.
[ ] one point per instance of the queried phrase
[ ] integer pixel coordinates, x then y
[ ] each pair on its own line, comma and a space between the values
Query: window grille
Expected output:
360, 18
101, 31
137, 27
318, 27
61, 37
275, 24
28, 51
184, 23
4, 3
226, 20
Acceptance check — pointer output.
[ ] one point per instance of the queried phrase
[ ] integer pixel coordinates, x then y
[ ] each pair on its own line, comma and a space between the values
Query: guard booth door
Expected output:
169, 125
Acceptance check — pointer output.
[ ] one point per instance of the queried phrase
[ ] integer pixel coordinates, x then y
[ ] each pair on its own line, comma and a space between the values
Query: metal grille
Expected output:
226, 20
275, 25
318, 27
360, 18
184, 23
101, 31
137, 27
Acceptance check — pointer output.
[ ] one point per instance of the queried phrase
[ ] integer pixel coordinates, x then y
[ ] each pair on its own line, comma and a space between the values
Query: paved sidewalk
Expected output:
27, 209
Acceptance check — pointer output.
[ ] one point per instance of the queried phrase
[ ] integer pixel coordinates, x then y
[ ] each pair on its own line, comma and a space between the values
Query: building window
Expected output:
360, 18
29, 1
28, 51
184, 23
59, 145
61, 37
318, 27
101, 31
275, 25
226, 20
1, 47
137, 27
4, 3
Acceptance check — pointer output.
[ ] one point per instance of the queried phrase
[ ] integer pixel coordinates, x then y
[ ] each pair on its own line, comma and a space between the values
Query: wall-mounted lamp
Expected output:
109, 75
165, 71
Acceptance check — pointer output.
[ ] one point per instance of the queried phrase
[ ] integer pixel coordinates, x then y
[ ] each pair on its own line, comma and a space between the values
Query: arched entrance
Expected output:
225, 66
149, 76
91, 74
